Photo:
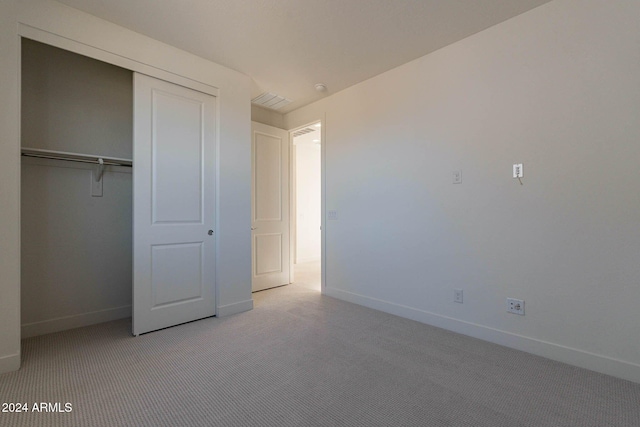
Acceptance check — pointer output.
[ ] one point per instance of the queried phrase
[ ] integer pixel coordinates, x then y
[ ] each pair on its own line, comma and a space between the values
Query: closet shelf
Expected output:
75, 157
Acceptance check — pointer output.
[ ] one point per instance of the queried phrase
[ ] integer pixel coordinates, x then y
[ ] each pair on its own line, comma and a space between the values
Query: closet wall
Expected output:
76, 249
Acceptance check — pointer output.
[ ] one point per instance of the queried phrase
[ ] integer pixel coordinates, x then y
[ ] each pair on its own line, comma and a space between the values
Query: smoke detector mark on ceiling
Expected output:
303, 132
271, 101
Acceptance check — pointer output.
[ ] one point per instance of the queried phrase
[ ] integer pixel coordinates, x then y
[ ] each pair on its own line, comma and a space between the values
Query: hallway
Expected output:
308, 275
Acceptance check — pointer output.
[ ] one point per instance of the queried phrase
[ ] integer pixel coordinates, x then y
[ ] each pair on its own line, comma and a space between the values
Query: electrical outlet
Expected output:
457, 177
515, 306
457, 295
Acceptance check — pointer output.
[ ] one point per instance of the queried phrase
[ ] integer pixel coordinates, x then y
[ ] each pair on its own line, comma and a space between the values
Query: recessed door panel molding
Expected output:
268, 253
173, 205
176, 273
267, 177
270, 207
177, 169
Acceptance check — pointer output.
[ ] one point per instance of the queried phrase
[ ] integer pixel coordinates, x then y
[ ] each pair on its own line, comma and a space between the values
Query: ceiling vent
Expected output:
271, 101
303, 132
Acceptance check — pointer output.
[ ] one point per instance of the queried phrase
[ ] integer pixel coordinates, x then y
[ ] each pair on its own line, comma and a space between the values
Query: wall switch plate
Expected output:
517, 170
332, 215
515, 306
457, 177
457, 295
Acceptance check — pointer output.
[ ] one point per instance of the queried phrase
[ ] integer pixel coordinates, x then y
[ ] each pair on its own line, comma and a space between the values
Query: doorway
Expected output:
307, 205
286, 207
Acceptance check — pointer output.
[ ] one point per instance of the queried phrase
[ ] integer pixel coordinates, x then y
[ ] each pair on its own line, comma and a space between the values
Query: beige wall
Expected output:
76, 255
557, 89
267, 117
82, 33
74, 103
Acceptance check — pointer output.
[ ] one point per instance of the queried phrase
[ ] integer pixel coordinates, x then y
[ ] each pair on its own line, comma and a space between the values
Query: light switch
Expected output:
332, 215
457, 177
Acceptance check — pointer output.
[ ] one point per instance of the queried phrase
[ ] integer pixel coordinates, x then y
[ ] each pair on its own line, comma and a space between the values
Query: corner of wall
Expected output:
267, 117
9, 363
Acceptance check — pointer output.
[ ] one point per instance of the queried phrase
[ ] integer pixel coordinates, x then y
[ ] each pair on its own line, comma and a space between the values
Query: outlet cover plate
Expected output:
457, 295
515, 306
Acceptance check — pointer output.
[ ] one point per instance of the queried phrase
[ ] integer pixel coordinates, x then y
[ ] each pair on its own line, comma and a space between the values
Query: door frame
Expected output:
293, 200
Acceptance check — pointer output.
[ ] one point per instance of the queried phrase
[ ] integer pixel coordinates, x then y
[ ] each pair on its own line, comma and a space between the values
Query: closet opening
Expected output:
76, 215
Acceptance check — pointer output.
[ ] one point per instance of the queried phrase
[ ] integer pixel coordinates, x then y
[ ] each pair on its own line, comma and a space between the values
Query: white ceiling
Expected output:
286, 46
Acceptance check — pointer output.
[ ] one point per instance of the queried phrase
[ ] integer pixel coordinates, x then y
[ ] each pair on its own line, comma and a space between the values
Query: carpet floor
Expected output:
303, 359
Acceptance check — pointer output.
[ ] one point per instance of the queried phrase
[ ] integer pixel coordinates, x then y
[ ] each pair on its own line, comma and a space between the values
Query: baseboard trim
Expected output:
238, 307
75, 321
9, 363
580, 358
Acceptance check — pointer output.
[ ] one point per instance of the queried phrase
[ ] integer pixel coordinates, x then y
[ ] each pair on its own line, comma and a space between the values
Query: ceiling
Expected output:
287, 46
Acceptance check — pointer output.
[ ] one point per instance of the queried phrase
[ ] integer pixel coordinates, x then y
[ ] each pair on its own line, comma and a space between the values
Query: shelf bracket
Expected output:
96, 183
99, 170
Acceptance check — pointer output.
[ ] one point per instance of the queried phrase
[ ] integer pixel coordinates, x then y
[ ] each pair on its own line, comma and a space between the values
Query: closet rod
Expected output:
74, 157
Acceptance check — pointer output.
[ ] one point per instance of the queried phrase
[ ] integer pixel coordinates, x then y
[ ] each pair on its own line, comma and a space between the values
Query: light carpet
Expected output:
303, 359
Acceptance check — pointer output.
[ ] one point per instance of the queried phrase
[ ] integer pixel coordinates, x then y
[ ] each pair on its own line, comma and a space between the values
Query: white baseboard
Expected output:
583, 359
238, 307
75, 321
9, 363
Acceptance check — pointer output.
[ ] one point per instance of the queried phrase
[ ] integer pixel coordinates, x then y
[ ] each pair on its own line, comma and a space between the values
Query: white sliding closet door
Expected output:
173, 204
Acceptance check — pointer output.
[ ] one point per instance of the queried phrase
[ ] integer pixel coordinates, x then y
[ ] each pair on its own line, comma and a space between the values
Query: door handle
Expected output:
254, 228
210, 232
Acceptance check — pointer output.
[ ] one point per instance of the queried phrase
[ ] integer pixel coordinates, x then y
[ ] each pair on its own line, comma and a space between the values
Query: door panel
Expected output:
270, 207
268, 253
268, 177
173, 204
176, 273
177, 119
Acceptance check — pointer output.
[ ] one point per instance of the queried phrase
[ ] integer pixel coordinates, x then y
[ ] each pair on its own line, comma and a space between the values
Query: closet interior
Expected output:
76, 190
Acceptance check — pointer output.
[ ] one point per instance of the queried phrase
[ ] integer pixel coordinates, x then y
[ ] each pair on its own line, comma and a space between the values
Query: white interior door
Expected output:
270, 207
173, 204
